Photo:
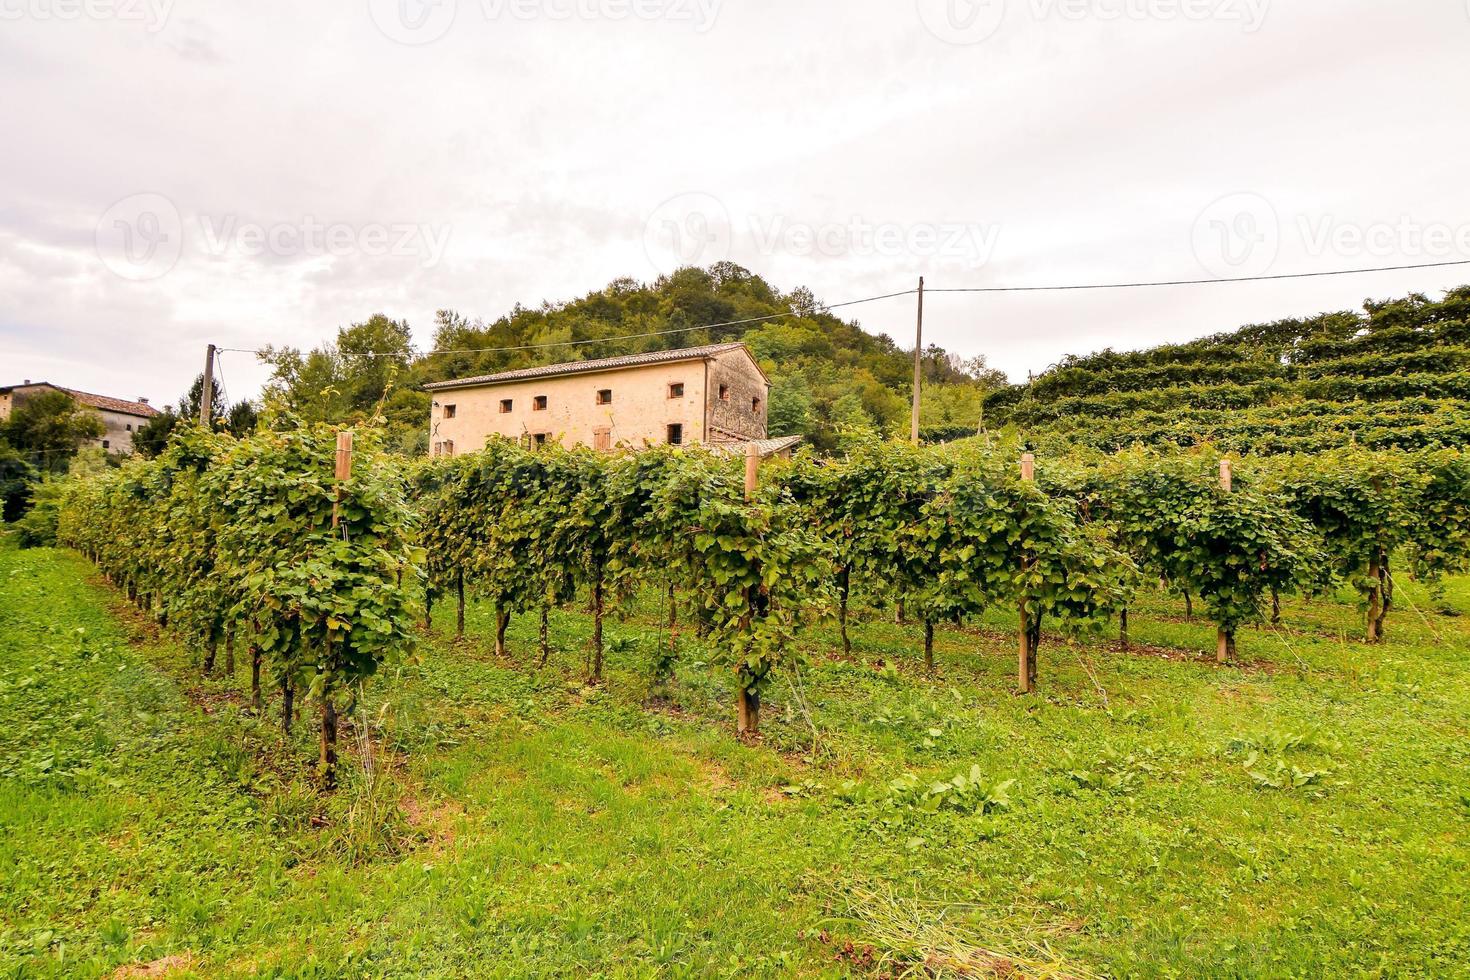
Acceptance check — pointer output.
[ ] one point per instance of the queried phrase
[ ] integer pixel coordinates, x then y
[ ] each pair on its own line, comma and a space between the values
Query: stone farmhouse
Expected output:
121, 417
714, 395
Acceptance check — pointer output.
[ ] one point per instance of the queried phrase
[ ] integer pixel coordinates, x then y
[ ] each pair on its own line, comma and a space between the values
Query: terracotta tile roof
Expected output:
766, 447
112, 404
96, 401
580, 367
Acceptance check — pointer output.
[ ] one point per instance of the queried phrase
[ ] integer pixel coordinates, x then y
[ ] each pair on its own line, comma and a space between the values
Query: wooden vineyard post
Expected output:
1224, 639
1026, 674
747, 705
328, 759
344, 473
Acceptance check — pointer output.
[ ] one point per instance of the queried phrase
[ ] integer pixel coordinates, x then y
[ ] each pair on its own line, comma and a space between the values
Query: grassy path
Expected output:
525, 825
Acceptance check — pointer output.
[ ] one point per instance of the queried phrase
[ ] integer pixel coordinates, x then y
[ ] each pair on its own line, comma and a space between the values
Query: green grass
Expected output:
523, 824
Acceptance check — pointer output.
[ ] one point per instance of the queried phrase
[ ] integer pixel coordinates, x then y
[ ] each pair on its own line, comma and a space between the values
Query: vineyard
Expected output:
1396, 375
318, 569
607, 709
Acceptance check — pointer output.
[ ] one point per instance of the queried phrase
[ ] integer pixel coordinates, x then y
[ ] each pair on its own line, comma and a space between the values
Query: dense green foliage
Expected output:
829, 377
226, 538
1395, 375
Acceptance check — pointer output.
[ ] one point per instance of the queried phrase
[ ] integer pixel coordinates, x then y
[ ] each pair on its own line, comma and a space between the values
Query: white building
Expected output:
121, 417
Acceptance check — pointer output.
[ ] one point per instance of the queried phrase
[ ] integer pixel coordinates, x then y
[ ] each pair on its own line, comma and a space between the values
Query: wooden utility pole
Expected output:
752, 468
206, 393
1225, 639
918, 366
1026, 673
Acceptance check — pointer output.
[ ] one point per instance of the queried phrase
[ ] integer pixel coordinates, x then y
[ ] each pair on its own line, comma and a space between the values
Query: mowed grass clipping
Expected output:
1147, 813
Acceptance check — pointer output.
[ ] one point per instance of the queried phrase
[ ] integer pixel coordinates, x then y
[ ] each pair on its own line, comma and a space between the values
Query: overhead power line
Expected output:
1194, 282
825, 307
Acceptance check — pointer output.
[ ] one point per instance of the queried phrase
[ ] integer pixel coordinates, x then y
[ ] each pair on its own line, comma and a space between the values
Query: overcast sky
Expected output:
263, 173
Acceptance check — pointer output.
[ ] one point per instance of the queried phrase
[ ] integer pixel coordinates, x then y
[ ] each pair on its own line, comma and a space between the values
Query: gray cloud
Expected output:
1090, 147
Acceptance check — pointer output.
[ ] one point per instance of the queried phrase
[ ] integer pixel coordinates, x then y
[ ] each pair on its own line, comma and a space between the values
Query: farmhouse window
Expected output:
724, 393
505, 405
676, 434
604, 396
539, 438
755, 405
602, 439
676, 390
449, 411
538, 404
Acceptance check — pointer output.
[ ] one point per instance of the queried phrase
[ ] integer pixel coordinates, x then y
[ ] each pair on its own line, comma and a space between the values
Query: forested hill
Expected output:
828, 375
1395, 374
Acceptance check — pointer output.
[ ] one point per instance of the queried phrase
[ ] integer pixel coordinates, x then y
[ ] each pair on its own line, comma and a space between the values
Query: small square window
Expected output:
676, 434
449, 411
538, 404
604, 396
130, 427
755, 405
506, 405
106, 444
676, 390
449, 447
539, 439
724, 393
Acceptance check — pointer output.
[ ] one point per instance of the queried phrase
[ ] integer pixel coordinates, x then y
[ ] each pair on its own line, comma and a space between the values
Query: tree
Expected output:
17, 476
49, 428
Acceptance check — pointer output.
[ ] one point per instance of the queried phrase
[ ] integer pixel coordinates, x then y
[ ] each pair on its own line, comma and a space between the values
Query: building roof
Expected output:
766, 447
105, 402
582, 367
